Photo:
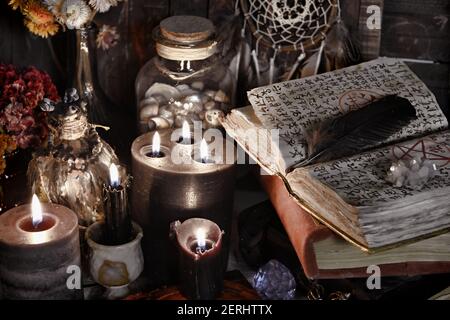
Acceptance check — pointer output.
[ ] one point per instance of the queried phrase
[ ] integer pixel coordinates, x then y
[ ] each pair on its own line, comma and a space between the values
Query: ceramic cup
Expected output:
114, 267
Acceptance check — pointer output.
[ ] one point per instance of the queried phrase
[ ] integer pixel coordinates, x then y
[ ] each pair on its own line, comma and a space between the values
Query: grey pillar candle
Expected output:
34, 261
164, 192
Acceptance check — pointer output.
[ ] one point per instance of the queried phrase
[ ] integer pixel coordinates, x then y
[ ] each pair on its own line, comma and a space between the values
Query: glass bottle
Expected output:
186, 80
101, 110
73, 168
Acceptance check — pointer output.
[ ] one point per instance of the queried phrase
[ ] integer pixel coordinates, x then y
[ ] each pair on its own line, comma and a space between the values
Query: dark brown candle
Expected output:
201, 264
164, 192
35, 256
117, 214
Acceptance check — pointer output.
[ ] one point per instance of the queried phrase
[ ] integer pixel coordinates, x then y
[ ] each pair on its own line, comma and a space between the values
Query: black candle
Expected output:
117, 214
169, 192
201, 258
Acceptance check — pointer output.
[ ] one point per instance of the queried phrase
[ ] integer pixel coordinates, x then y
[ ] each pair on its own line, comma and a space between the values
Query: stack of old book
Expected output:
343, 215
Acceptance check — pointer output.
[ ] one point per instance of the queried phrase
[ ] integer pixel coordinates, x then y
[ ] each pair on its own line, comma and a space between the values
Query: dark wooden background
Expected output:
417, 29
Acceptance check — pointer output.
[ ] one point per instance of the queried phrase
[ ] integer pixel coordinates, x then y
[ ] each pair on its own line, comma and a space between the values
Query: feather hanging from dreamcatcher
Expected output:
337, 50
341, 49
232, 45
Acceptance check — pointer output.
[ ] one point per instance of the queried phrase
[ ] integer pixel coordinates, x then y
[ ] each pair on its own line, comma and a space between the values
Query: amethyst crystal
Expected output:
274, 281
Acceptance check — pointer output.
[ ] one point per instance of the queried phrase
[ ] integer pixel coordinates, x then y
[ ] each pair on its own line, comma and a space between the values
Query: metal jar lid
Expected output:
185, 38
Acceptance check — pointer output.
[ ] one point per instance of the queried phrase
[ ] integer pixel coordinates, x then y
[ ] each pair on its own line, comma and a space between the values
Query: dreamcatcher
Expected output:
308, 34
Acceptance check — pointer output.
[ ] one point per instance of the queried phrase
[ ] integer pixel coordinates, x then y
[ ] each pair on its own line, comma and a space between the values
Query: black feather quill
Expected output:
358, 130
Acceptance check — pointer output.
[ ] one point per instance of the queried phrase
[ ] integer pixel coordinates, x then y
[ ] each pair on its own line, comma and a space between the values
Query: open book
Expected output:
351, 195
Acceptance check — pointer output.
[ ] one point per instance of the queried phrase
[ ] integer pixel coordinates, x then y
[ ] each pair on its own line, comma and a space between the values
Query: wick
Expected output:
200, 250
185, 141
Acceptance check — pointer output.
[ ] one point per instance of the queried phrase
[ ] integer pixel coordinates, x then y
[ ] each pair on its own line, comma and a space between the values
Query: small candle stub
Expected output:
201, 258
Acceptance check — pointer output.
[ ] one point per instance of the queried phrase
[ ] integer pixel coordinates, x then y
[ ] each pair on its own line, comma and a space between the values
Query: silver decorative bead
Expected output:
212, 117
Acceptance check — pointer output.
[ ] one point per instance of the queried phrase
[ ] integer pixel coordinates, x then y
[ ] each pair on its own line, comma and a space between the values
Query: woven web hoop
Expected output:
288, 25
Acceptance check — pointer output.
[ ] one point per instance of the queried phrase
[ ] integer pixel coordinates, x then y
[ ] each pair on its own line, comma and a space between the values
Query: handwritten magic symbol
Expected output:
356, 99
426, 149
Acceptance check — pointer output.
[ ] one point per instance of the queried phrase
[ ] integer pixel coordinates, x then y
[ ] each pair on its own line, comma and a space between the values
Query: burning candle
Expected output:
201, 258
170, 191
204, 153
117, 214
156, 147
186, 137
39, 249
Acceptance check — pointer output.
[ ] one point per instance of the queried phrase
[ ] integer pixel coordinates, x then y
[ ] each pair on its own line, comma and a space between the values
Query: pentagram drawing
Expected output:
425, 149
356, 99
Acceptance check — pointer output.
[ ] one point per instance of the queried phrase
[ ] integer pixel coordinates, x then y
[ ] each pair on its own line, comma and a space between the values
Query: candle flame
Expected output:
114, 175
201, 237
204, 151
36, 211
186, 132
156, 143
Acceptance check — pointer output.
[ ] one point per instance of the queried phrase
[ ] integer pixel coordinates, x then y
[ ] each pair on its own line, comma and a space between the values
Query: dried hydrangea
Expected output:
22, 90
107, 37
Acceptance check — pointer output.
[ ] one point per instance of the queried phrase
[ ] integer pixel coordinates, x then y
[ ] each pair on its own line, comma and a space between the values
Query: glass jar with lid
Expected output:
187, 80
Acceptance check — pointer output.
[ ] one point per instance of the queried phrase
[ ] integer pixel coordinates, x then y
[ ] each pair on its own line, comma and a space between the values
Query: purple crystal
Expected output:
274, 281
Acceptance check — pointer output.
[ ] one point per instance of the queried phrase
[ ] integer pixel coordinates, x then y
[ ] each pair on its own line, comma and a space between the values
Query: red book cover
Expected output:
303, 231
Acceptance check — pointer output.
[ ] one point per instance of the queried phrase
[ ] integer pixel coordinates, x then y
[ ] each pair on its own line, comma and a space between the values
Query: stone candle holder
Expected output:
114, 266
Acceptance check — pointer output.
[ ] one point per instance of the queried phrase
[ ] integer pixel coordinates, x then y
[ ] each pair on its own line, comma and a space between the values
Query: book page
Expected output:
295, 105
389, 214
361, 180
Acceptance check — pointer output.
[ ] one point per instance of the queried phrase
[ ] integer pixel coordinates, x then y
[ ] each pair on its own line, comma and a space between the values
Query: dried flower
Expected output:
38, 19
42, 16
16, 4
55, 7
107, 37
22, 91
102, 5
7, 144
76, 12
